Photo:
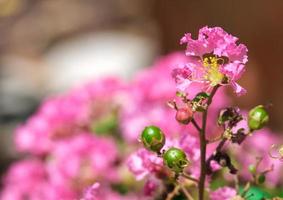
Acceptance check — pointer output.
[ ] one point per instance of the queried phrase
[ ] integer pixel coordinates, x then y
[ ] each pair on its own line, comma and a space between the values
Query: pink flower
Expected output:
103, 192
214, 58
142, 163
29, 179
92, 192
258, 145
151, 186
65, 115
82, 159
224, 193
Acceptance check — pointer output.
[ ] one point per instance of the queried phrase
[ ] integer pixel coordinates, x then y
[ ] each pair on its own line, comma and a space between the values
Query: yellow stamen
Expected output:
212, 70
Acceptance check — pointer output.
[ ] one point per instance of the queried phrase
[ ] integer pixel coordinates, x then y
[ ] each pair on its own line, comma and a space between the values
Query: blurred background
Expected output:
48, 46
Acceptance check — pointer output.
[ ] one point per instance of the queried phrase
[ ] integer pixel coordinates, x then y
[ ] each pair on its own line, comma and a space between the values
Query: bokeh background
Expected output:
48, 46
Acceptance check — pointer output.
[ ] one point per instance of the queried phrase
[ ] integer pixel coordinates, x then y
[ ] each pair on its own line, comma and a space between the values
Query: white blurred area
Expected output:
74, 61
90, 56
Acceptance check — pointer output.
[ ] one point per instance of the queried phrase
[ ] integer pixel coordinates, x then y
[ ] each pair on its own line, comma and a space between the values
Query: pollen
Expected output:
213, 74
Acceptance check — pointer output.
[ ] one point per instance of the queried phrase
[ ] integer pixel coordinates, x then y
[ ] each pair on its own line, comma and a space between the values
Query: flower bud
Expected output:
258, 117
175, 159
184, 115
153, 138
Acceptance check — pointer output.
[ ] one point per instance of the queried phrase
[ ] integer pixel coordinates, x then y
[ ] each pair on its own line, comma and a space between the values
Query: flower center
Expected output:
213, 75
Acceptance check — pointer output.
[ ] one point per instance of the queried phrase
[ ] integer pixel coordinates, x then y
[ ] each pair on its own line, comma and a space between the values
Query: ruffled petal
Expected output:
239, 90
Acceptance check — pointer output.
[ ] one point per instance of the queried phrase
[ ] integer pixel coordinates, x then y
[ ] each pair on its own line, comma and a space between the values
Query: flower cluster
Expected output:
147, 139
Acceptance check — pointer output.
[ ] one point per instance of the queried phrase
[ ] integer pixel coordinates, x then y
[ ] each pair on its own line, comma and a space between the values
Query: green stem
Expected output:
203, 144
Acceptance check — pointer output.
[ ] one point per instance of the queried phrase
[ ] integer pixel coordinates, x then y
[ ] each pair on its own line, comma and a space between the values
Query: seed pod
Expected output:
258, 117
175, 159
153, 138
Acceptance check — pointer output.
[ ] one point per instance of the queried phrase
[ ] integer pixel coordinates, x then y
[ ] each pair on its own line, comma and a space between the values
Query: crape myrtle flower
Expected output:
257, 146
215, 58
29, 179
78, 161
97, 191
66, 115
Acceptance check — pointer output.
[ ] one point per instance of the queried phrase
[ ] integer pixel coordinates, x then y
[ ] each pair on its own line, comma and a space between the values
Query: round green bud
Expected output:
261, 179
258, 117
252, 169
153, 138
175, 159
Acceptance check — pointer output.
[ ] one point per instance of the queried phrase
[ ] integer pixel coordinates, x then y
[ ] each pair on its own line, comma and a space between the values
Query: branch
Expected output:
196, 125
203, 143
190, 178
187, 194
172, 194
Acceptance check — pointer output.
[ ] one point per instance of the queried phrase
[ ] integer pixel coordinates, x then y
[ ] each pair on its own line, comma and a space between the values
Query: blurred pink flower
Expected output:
149, 92
101, 192
258, 145
224, 193
142, 163
151, 186
29, 179
213, 57
91, 193
78, 161
64, 116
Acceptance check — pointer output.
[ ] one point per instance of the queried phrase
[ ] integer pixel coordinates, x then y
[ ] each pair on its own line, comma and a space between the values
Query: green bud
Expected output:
258, 117
153, 138
261, 179
252, 169
175, 159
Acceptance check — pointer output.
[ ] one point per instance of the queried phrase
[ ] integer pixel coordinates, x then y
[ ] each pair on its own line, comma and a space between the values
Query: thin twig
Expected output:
172, 194
187, 194
190, 178
236, 179
221, 144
